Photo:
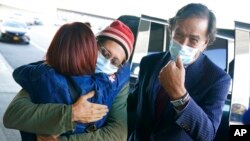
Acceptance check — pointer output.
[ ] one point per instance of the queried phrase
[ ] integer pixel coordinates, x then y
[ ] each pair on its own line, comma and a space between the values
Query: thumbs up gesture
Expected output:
172, 78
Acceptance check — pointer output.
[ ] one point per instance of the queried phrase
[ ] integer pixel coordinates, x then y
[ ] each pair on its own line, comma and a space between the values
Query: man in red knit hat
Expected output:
117, 34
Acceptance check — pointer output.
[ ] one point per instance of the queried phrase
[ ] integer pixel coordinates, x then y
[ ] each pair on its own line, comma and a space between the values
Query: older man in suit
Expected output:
181, 93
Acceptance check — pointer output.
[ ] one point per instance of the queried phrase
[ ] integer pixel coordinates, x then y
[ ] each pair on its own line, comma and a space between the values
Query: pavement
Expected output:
8, 90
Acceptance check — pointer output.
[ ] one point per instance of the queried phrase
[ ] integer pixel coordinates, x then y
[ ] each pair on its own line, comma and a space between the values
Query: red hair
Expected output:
73, 50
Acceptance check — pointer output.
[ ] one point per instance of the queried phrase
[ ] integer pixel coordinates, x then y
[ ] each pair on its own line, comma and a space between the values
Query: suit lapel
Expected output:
194, 73
154, 84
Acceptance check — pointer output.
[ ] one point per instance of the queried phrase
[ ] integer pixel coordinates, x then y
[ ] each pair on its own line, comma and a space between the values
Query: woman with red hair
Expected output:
74, 67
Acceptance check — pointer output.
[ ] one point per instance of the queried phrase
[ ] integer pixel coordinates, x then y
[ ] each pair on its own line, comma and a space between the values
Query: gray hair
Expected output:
196, 10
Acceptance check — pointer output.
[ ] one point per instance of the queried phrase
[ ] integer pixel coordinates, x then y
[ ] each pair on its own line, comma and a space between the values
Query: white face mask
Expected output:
104, 65
186, 53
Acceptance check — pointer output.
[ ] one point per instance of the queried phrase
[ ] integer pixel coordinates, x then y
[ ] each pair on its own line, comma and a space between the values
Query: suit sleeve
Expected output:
201, 120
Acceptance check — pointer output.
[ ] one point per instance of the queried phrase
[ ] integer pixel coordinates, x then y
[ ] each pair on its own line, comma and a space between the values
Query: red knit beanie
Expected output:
120, 33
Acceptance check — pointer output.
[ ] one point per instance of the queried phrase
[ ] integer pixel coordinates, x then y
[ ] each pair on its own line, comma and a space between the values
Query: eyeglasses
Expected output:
114, 61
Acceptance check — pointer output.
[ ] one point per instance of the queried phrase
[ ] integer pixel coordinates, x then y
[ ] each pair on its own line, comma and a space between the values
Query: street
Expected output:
19, 54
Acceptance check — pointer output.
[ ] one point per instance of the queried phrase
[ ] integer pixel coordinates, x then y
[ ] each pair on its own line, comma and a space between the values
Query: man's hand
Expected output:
172, 78
85, 112
47, 138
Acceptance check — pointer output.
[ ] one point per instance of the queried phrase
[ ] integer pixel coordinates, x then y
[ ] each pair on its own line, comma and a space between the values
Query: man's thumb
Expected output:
88, 95
179, 63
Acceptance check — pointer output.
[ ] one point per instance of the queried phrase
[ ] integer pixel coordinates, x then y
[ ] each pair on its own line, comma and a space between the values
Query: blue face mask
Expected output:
186, 53
104, 65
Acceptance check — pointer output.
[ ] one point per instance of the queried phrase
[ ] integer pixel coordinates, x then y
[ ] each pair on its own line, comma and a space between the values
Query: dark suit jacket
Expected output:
208, 87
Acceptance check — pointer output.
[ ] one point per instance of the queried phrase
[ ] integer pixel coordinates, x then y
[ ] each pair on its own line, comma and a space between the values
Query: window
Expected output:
241, 77
151, 38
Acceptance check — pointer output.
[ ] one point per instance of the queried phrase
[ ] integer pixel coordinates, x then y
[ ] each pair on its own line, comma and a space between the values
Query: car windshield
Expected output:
14, 24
